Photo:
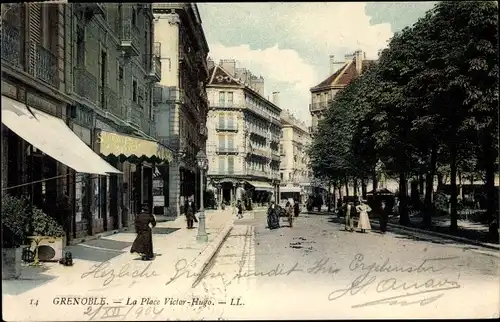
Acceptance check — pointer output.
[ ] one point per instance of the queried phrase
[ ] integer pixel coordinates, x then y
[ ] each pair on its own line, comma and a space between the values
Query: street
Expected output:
317, 270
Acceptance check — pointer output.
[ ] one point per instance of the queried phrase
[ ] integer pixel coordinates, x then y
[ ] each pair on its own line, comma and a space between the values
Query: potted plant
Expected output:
15, 220
46, 231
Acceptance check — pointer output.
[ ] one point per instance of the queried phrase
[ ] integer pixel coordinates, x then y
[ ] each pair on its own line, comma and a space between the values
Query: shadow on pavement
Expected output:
31, 278
164, 230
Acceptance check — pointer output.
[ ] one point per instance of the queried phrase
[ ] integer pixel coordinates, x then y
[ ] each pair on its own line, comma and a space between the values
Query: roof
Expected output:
344, 75
218, 76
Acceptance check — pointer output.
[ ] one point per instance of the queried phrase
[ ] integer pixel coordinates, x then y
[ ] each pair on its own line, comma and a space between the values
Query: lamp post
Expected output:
201, 158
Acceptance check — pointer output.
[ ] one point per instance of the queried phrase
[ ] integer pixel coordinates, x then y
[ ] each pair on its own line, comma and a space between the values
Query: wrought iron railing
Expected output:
318, 106
11, 44
156, 66
112, 102
129, 33
157, 95
42, 64
227, 150
85, 84
226, 127
157, 49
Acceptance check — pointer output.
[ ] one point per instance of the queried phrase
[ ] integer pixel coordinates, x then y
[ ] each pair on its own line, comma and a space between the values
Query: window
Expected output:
222, 99
281, 175
222, 121
80, 46
230, 165
222, 164
230, 143
229, 98
104, 70
134, 17
222, 142
135, 97
230, 122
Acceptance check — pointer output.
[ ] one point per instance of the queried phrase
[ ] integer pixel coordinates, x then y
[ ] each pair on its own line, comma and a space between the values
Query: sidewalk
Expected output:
440, 227
118, 274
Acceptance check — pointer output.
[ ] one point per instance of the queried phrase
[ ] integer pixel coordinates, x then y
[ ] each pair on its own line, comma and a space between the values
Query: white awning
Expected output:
290, 189
52, 136
262, 186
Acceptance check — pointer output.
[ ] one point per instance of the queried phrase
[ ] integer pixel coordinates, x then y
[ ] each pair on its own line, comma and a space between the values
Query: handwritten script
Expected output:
322, 266
415, 292
108, 275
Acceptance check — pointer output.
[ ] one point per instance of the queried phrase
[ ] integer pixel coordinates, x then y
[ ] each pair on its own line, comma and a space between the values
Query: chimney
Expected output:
210, 63
276, 99
332, 64
359, 56
257, 83
229, 65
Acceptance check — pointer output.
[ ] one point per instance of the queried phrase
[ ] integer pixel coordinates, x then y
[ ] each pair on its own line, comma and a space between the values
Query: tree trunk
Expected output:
440, 178
404, 219
453, 184
355, 187
346, 187
375, 181
491, 194
334, 196
340, 193
329, 197
363, 188
429, 187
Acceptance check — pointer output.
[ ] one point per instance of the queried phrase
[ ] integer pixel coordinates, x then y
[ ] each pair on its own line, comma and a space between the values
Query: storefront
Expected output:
141, 161
42, 152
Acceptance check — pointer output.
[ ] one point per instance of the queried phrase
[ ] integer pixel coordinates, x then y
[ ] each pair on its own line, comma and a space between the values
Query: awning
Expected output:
261, 186
290, 189
120, 144
52, 136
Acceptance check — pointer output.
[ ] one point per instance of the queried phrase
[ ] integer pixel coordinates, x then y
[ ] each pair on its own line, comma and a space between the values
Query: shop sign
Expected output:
117, 144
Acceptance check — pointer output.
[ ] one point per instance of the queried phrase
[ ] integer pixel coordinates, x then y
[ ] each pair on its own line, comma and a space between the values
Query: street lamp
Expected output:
201, 158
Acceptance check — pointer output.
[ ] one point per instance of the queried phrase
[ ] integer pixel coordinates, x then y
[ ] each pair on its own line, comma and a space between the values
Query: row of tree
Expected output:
429, 102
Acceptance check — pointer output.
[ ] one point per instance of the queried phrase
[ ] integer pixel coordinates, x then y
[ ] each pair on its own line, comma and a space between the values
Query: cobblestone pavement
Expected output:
318, 270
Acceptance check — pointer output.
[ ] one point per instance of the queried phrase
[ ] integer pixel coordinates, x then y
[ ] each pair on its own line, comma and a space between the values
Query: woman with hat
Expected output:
143, 243
364, 220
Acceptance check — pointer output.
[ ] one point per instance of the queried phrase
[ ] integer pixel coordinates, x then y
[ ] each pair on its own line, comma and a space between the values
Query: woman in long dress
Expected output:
273, 219
143, 243
364, 220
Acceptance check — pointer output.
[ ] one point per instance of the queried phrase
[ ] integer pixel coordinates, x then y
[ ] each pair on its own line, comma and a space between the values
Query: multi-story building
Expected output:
295, 171
243, 135
90, 66
323, 93
181, 103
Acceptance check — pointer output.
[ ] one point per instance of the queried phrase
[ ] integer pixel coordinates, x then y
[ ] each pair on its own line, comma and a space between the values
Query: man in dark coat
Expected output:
296, 208
240, 209
189, 212
273, 219
143, 243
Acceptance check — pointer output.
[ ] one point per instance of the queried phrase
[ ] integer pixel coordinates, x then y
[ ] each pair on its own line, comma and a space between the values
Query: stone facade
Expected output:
295, 171
243, 133
180, 100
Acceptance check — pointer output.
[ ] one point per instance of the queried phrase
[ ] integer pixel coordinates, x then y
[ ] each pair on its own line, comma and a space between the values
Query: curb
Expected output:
213, 249
428, 232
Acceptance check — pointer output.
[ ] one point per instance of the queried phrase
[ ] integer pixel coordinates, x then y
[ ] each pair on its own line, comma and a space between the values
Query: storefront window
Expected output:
80, 186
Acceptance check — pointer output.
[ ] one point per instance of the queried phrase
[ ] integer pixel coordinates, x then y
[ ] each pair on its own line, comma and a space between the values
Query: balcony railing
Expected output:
129, 41
184, 57
112, 102
42, 64
227, 150
227, 128
256, 172
157, 49
85, 84
155, 72
318, 106
157, 95
11, 44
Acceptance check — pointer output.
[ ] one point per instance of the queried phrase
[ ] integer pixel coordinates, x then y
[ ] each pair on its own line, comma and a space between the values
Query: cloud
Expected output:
289, 44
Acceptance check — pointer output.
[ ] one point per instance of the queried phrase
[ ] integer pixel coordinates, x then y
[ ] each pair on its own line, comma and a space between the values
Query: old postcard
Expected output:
229, 161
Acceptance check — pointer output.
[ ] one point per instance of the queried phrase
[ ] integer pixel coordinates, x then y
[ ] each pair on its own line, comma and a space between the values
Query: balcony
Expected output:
225, 150
42, 64
11, 44
91, 9
226, 128
157, 95
112, 103
255, 172
260, 152
318, 106
85, 84
154, 74
185, 58
129, 41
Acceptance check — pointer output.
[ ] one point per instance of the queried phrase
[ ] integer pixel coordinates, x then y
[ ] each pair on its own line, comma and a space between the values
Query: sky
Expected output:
289, 44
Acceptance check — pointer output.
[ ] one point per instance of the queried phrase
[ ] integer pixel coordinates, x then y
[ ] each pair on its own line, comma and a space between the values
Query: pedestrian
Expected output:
273, 219
383, 218
189, 212
364, 220
296, 208
240, 209
348, 218
143, 243
289, 213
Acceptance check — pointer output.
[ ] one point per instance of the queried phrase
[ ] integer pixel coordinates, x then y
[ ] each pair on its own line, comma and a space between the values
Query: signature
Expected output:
412, 289
322, 266
103, 271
